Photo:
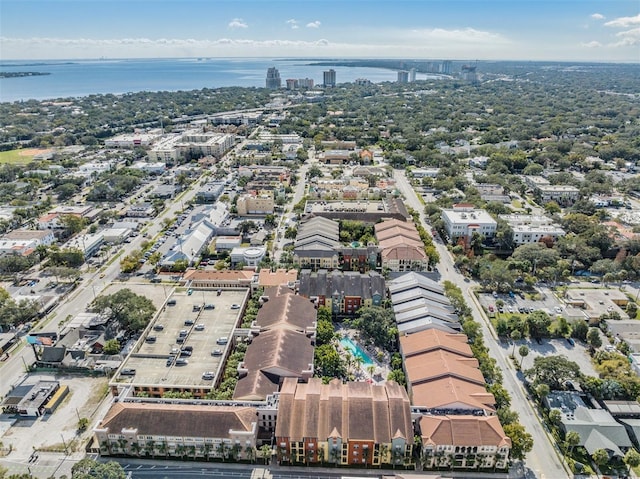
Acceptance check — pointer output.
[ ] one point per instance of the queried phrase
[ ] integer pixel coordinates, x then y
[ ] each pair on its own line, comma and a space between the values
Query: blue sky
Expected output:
573, 30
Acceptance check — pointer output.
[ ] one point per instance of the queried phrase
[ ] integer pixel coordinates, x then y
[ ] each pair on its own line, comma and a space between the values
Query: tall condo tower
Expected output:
273, 81
329, 78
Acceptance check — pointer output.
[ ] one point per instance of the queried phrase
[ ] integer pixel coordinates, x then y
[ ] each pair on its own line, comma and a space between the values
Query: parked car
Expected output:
158, 327
199, 327
182, 362
208, 375
223, 340
216, 352
235, 306
128, 372
150, 339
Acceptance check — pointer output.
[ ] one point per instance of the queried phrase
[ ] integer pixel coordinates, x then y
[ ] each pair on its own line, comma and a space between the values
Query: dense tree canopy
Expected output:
131, 311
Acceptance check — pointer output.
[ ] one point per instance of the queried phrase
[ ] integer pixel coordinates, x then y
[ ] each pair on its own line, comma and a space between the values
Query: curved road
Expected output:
542, 461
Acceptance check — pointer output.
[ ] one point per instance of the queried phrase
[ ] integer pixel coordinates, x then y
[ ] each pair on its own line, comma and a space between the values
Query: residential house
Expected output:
596, 428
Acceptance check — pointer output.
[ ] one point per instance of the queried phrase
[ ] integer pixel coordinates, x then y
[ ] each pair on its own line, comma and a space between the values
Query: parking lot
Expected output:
554, 347
516, 303
185, 341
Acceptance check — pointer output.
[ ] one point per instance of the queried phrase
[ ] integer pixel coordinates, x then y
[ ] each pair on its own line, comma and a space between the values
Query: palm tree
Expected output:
572, 438
523, 351
222, 450
206, 451
163, 448
335, 455
135, 448
515, 336
250, 453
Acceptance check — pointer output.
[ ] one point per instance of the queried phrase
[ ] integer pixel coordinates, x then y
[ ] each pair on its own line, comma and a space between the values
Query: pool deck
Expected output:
382, 369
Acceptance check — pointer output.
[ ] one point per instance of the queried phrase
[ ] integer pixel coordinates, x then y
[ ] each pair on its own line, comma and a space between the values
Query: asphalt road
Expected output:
91, 285
542, 461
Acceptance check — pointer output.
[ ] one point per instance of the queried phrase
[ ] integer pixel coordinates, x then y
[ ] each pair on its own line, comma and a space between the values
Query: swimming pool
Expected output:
357, 351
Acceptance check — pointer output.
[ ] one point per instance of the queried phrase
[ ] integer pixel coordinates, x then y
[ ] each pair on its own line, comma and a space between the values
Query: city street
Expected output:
542, 461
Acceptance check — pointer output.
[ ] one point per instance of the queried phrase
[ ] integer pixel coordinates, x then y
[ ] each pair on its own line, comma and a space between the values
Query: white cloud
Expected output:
293, 23
593, 44
624, 22
315, 24
628, 38
467, 35
597, 16
237, 23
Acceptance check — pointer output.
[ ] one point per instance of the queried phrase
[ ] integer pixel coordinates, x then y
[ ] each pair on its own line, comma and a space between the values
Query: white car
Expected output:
208, 375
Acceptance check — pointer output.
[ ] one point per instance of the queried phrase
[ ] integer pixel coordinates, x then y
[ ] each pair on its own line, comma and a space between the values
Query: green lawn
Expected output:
14, 156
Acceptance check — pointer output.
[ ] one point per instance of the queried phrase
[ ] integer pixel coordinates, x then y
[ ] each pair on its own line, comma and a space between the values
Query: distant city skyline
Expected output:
562, 30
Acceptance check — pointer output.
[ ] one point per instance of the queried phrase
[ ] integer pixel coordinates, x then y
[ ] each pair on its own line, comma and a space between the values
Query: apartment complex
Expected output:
261, 203
317, 243
343, 292
175, 146
401, 248
282, 345
353, 423
463, 220
458, 427
419, 303
178, 430
530, 229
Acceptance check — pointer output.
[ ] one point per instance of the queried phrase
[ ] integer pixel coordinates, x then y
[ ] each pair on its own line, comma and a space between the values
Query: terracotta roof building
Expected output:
177, 430
464, 442
269, 278
282, 346
401, 246
351, 423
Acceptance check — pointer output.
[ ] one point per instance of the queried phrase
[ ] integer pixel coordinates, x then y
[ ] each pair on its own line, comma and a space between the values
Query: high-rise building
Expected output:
305, 82
412, 75
273, 79
329, 78
292, 83
403, 76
